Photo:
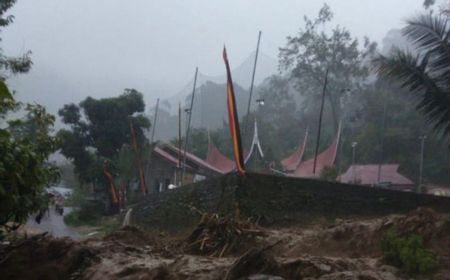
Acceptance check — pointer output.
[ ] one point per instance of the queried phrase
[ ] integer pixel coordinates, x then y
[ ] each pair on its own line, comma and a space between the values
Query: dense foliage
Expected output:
25, 144
24, 170
408, 253
424, 72
98, 131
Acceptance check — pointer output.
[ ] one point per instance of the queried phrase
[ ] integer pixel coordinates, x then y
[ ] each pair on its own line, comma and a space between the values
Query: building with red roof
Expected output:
215, 158
294, 165
367, 175
291, 163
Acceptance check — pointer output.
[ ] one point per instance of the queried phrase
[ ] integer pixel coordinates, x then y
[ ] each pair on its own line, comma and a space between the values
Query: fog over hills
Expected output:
242, 75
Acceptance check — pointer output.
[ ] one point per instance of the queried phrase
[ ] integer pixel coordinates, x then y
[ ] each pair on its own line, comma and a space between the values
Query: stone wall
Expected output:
276, 200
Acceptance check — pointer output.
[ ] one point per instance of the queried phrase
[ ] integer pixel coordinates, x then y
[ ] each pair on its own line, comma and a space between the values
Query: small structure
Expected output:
166, 168
367, 175
254, 160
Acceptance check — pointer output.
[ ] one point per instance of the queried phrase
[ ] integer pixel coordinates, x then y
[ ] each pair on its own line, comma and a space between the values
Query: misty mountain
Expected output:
49, 86
242, 75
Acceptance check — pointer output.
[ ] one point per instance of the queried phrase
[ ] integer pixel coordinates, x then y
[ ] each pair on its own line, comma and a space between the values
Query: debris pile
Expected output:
43, 257
219, 236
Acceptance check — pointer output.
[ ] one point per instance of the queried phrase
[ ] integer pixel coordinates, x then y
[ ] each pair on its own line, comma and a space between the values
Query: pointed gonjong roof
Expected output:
291, 163
324, 159
215, 158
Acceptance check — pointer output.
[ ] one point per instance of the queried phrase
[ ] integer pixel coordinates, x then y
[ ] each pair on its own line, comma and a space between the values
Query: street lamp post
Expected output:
422, 148
260, 102
354, 144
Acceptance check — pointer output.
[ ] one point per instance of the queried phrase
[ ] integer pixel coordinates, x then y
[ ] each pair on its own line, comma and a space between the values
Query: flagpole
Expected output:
320, 121
179, 143
251, 85
189, 125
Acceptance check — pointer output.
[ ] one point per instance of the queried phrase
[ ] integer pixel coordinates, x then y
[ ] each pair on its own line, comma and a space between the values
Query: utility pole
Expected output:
354, 144
320, 121
251, 86
189, 125
152, 137
178, 173
154, 122
422, 148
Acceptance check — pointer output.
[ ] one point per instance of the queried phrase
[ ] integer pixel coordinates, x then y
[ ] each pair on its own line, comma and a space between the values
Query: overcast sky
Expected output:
154, 45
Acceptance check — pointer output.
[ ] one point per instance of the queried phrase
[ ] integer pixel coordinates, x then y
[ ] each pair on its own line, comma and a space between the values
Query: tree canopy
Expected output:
98, 130
426, 74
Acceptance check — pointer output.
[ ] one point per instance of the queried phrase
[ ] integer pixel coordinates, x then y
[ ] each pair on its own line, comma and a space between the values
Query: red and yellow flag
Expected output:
112, 189
233, 120
138, 160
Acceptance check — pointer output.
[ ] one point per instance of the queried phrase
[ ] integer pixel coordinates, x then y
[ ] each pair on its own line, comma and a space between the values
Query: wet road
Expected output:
54, 224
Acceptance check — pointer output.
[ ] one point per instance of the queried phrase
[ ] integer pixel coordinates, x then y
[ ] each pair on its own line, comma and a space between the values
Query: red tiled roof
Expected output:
195, 159
291, 163
218, 160
368, 175
324, 159
166, 156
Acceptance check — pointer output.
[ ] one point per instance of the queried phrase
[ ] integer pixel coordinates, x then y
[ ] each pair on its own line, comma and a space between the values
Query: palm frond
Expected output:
411, 71
430, 34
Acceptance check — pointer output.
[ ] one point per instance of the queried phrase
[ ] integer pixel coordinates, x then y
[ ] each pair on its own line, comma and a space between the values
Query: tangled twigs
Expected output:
217, 236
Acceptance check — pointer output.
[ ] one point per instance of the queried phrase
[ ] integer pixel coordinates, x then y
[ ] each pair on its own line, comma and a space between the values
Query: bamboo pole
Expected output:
189, 124
320, 121
251, 85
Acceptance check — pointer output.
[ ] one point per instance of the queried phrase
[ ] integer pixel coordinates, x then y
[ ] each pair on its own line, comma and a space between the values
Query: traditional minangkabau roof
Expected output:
168, 157
193, 158
324, 159
215, 158
291, 163
256, 145
368, 175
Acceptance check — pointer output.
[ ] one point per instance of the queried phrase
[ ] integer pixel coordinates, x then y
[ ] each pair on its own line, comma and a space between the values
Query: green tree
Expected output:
11, 65
99, 129
424, 74
308, 56
25, 144
24, 169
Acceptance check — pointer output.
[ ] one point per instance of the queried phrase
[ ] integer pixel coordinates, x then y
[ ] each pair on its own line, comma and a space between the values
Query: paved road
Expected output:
54, 224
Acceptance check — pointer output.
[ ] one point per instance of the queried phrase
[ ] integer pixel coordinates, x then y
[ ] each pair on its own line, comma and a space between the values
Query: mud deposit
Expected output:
342, 249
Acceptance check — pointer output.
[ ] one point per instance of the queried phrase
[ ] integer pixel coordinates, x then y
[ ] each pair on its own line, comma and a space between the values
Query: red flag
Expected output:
138, 160
233, 120
112, 188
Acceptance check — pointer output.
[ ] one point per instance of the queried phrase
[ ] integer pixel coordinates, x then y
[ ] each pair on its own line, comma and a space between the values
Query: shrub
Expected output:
88, 213
408, 253
329, 174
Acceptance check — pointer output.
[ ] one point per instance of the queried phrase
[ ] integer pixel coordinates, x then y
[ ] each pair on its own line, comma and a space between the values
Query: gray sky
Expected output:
99, 47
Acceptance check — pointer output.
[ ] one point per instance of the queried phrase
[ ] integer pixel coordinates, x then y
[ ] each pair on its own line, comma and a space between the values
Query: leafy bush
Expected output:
408, 253
329, 173
25, 172
89, 213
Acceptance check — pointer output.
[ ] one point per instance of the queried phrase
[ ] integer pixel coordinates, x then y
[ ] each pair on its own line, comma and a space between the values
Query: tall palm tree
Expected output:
425, 72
